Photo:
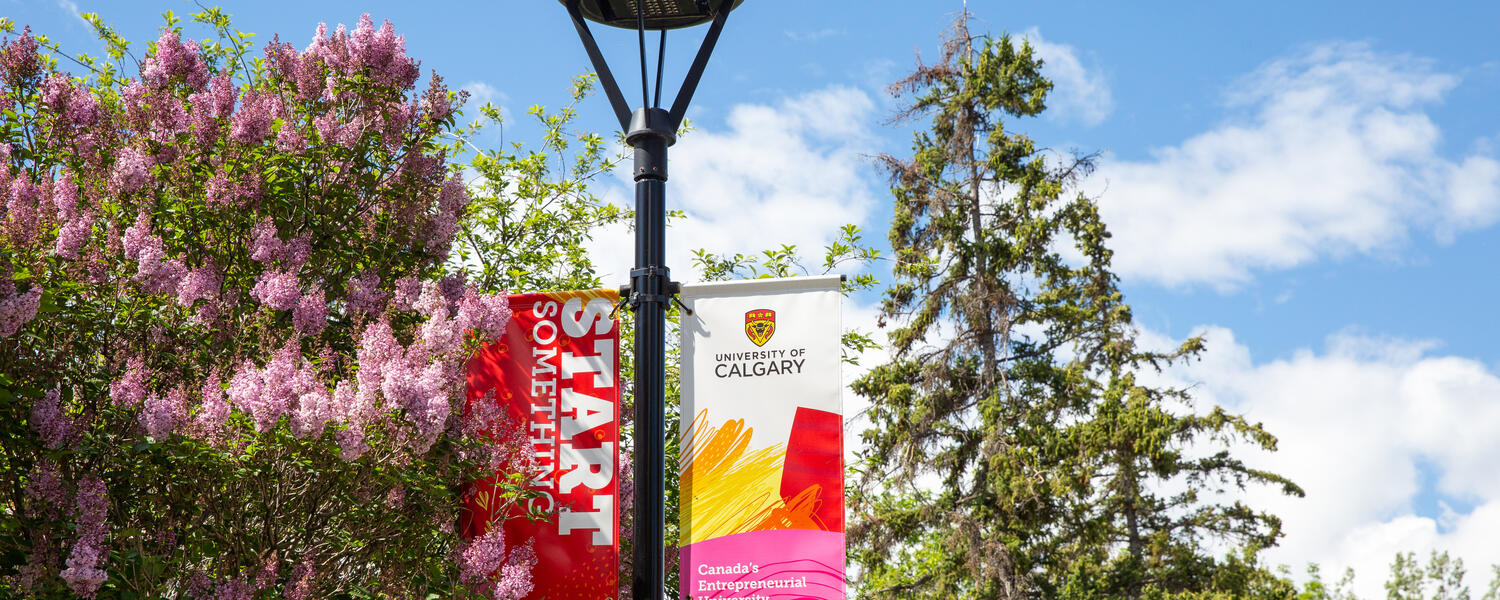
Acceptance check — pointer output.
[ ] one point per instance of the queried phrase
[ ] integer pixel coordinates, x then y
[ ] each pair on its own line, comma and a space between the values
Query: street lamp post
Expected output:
650, 129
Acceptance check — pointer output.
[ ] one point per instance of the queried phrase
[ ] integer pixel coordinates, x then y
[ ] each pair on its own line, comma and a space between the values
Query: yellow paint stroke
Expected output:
585, 295
728, 488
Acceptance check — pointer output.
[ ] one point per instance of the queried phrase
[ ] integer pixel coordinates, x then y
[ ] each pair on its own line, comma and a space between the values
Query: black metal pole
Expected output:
650, 282
650, 130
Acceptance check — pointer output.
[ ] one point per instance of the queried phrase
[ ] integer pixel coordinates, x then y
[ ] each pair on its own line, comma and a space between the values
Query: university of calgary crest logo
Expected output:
760, 325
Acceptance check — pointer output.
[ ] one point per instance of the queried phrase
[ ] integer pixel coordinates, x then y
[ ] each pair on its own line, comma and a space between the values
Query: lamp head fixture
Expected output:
658, 14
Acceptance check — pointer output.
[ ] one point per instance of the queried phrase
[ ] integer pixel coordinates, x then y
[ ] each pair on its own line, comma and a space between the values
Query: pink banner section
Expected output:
782, 564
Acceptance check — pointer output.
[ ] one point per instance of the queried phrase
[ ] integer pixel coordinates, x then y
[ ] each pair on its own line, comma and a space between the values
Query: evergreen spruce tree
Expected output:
1013, 453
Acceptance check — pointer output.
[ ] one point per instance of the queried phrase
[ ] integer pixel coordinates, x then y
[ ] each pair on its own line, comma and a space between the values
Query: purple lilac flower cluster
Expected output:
213, 411
156, 273
300, 587
202, 283
85, 572
52, 424
485, 564
45, 487
76, 226
482, 557
451, 204
253, 122
130, 389
408, 390
514, 582
283, 386
78, 114
132, 171
233, 588
23, 220
225, 334
368, 52
485, 419
175, 59
420, 381
162, 414
363, 295
311, 314
17, 308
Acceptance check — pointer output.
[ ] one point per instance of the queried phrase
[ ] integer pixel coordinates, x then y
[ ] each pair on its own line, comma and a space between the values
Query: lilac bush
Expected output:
231, 357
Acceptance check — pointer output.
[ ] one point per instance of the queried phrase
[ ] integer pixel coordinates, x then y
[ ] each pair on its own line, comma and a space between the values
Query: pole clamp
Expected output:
637, 299
629, 297
646, 281
652, 271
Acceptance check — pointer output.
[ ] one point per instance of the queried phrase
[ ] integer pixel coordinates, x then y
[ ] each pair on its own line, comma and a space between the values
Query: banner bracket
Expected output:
624, 298
628, 296
676, 288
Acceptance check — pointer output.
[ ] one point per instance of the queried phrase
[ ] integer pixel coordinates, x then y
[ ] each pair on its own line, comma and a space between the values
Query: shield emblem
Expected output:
760, 325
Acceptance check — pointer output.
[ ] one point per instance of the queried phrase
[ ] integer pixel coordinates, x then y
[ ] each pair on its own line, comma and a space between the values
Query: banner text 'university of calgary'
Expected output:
762, 461
556, 373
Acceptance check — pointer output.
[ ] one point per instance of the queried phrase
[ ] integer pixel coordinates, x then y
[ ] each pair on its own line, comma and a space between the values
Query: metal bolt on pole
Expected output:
650, 130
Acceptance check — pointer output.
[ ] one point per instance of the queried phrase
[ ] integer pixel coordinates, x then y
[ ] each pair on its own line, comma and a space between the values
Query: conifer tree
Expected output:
1013, 451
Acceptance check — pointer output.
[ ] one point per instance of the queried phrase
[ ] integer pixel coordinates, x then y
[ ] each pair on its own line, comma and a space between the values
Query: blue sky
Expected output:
1315, 188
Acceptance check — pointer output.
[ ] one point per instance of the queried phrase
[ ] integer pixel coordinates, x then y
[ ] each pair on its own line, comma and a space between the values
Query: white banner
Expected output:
762, 444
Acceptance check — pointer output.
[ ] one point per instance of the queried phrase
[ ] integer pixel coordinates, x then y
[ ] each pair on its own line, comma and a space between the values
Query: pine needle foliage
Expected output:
1016, 448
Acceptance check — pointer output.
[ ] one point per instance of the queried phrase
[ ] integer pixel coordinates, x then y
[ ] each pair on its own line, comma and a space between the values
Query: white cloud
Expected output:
481, 93
1472, 195
71, 7
1368, 427
1334, 156
792, 173
1079, 94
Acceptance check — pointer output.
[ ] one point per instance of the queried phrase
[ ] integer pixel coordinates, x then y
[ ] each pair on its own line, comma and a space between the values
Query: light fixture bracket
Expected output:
641, 21
659, 14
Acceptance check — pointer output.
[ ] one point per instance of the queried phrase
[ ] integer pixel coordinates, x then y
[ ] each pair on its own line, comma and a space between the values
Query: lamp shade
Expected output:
659, 14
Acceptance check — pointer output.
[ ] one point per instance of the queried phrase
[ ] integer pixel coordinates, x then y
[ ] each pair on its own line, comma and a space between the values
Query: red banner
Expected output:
556, 372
